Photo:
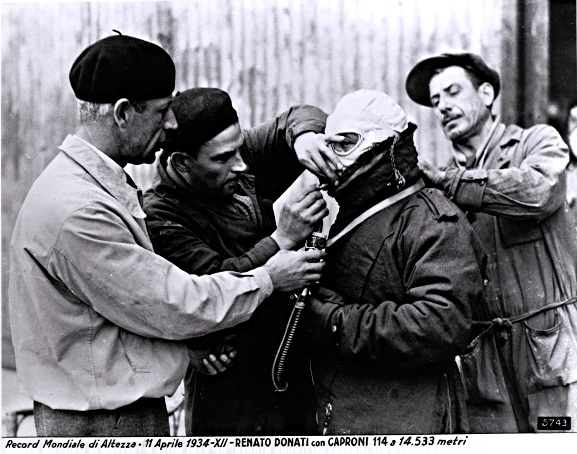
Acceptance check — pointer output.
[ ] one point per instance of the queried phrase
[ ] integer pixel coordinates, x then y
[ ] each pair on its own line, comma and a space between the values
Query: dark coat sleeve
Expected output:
268, 148
440, 263
185, 239
189, 241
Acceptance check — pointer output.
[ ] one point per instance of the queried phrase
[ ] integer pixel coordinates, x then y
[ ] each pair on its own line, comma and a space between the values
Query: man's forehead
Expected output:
445, 77
449, 72
228, 140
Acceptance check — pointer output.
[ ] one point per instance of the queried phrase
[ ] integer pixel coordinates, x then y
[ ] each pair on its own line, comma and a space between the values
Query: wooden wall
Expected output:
268, 54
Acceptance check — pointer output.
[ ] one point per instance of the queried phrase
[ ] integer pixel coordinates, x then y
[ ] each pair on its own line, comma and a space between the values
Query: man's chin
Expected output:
453, 134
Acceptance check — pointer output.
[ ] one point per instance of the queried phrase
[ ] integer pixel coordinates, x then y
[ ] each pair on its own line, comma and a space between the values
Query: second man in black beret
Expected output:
210, 210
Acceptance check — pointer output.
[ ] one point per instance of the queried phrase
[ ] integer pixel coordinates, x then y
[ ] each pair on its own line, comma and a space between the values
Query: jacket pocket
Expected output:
133, 349
552, 353
481, 371
487, 398
518, 232
552, 367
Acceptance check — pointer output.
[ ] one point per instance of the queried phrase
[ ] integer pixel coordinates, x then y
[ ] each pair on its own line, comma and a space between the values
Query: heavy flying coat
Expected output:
385, 342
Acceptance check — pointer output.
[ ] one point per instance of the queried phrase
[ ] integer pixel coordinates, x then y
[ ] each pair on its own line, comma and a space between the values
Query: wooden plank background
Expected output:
268, 54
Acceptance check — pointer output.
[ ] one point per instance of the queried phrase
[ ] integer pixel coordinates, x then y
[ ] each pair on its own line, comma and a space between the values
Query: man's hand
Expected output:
435, 175
214, 365
298, 217
313, 153
294, 270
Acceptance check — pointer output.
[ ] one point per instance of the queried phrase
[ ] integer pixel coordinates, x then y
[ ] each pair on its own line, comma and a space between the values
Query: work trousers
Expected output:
145, 417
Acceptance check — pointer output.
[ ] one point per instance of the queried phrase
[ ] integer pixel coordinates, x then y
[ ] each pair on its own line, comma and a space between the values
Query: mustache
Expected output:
449, 117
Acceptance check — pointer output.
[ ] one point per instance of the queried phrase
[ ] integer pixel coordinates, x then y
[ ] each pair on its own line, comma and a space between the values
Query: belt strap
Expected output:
508, 322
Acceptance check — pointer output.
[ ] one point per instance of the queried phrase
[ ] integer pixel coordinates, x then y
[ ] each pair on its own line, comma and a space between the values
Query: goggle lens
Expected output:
351, 140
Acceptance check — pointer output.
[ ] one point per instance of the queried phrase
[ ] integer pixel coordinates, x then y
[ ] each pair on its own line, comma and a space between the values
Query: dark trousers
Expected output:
145, 417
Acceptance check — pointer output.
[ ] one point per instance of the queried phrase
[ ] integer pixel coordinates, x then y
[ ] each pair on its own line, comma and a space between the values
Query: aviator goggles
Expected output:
351, 141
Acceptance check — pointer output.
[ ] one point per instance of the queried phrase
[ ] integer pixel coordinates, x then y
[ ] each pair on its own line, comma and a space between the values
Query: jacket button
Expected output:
334, 328
485, 282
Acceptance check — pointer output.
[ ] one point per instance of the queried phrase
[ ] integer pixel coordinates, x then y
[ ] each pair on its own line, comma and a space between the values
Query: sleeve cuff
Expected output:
321, 322
293, 132
466, 188
263, 281
322, 314
452, 178
263, 250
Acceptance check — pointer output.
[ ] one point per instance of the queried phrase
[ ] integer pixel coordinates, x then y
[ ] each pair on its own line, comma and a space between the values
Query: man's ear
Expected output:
179, 161
487, 93
123, 112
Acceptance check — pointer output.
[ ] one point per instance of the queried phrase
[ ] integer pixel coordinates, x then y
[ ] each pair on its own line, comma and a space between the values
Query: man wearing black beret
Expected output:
511, 183
210, 210
96, 315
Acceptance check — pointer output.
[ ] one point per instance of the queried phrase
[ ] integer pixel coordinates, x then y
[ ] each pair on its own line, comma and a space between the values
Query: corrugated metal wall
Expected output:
268, 54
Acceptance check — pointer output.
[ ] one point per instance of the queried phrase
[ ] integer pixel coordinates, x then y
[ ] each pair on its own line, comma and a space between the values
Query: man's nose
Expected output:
443, 104
170, 120
239, 166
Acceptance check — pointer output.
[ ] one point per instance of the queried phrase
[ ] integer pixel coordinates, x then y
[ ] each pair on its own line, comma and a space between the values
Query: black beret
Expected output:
201, 113
122, 66
417, 84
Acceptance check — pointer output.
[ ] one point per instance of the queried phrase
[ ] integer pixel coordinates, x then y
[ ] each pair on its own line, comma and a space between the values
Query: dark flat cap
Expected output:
417, 84
122, 66
201, 113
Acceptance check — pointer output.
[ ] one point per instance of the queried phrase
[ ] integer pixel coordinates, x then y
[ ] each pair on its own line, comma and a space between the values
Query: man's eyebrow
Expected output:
224, 153
445, 89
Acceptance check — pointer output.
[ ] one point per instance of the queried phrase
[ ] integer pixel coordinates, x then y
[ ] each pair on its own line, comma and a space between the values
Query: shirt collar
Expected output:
111, 177
107, 159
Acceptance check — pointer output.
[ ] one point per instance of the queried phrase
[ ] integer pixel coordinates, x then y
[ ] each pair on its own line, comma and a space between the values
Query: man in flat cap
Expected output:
96, 316
404, 270
210, 210
511, 183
